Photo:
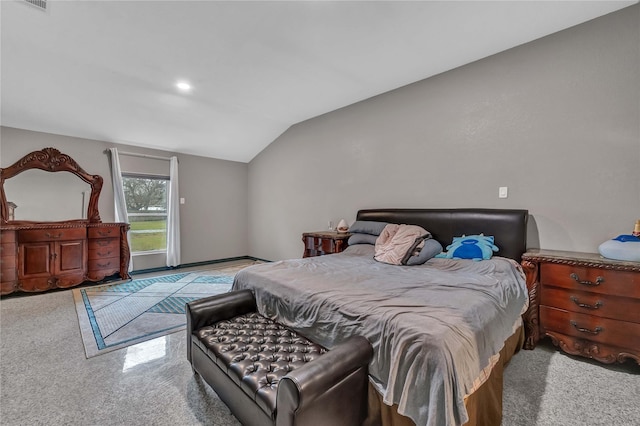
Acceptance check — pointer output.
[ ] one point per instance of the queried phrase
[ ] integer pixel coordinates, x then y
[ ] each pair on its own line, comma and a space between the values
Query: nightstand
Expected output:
324, 242
588, 305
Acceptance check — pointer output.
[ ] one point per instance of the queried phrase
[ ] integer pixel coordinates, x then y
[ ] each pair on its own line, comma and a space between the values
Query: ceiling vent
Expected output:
40, 4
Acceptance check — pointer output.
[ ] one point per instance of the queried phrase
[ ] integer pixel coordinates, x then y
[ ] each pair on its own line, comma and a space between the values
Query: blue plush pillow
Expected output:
367, 227
476, 247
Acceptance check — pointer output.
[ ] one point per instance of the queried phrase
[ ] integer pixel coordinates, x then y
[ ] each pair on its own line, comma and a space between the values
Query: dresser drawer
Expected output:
589, 327
104, 253
108, 264
590, 303
103, 248
104, 232
595, 280
35, 235
104, 243
101, 268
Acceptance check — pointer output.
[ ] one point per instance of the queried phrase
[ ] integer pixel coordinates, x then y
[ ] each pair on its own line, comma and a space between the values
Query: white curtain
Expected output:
118, 195
173, 216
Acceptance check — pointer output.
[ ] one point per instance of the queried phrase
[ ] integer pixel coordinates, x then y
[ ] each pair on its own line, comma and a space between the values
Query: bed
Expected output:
441, 331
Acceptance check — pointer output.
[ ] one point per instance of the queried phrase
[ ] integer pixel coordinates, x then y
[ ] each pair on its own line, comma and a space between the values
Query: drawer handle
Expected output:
104, 233
599, 280
586, 330
104, 254
102, 243
48, 235
584, 305
103, 265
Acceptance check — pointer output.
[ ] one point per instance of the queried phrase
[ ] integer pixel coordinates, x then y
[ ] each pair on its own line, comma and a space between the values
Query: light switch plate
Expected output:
503, 192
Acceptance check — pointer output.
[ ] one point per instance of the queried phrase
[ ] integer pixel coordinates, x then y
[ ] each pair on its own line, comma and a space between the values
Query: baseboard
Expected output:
191, 265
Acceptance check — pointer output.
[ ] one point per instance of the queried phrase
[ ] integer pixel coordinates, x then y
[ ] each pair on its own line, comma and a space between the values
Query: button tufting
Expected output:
258, 352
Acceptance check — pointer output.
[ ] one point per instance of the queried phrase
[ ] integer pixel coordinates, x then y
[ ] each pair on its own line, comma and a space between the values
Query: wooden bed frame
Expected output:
509, 228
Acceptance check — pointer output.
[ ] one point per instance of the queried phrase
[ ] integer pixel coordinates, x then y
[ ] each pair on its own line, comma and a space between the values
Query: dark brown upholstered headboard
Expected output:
509, 227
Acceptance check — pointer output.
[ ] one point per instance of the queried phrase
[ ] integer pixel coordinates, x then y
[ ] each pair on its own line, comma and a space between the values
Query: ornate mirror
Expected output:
49, 160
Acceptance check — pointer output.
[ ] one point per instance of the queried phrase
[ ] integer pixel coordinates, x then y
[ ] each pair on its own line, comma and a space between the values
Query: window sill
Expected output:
147, 253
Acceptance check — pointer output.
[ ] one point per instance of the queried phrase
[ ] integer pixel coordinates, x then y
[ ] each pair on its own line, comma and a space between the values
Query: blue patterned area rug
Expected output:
115, 316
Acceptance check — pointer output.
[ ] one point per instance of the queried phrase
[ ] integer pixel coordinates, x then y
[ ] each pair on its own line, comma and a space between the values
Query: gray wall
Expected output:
555, 120
213, 218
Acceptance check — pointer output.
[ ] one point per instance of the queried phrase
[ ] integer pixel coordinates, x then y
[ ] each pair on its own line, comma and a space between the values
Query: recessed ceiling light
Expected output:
183, 86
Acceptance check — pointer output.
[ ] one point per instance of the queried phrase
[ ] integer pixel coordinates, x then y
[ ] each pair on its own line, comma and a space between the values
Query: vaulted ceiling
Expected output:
108, 70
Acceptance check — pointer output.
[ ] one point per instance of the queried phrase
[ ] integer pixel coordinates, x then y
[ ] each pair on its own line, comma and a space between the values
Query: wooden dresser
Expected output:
588, 305
44, 256
324, 242
38, 256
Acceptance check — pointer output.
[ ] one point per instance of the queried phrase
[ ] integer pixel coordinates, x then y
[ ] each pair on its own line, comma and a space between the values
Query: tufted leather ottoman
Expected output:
268, 374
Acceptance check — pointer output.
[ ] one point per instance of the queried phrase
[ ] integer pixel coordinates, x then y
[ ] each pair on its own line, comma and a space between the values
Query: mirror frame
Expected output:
50, 160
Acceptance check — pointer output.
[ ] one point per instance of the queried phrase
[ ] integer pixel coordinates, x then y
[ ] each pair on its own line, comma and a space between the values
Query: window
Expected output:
146, 198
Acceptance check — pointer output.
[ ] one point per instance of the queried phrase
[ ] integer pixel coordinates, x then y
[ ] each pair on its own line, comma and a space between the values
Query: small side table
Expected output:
324, 242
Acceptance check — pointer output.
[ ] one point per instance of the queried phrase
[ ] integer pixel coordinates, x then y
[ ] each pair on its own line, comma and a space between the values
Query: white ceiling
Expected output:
107, 70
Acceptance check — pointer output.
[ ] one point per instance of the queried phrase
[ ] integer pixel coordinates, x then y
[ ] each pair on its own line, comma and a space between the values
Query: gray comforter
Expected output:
433, 327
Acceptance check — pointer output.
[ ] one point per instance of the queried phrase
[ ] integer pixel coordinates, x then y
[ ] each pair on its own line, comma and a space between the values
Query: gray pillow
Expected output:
430, 249
362, 239
367, 227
